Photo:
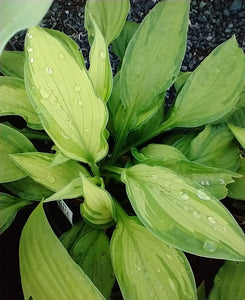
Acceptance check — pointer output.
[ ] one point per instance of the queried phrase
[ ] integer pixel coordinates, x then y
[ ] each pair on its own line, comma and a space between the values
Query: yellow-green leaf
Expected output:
212, 90
146, 268
38, 166
47, 270
14, 101
215, 146
236, 190
109, 15
239, 133
100, 69
63, 95
98, 206
183, 213
11, 142
152, 59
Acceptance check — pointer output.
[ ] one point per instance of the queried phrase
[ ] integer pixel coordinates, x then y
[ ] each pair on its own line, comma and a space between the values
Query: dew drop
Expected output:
137, 189
61, 56
138, 267
204, 182
64, 136
33, 87
79, 102
51, 179
223, 228
29, 36
169, 257
77, 88
154, 176
158, 270
221, 181
202, 195
196, 214
31, 60
209, 246
184, 196
85, 130
173, 284
49, 71
29, 49
44, 94
211, 220
102, 54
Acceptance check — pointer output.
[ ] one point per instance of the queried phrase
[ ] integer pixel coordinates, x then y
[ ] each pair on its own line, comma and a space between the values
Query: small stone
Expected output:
226, 12
202, 4
236, 5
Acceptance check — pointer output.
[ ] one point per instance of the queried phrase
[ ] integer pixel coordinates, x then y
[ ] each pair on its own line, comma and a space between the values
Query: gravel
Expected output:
211, 23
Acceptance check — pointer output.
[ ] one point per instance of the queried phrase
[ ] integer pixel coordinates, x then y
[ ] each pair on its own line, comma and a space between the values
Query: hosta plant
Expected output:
143, 200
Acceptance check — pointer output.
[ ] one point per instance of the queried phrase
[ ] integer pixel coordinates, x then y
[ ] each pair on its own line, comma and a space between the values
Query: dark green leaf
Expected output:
12, 63
216, 147
120, 44
92, 253
26, 188
236, 190
9, 206
181, 80
229, 283
12, 142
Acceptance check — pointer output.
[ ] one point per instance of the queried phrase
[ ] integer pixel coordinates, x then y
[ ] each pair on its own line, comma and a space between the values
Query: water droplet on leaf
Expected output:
29, 49
31, 60
184, 196
29, 36
77, 88
202, 195
49, 71
221, 181
158, 270
196, 214
209, 246
51, 179
211, 220
173, 284
102, 54
154, 176
61, 56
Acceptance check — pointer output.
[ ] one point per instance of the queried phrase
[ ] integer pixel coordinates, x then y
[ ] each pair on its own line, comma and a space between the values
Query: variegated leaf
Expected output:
183, 213
63, 95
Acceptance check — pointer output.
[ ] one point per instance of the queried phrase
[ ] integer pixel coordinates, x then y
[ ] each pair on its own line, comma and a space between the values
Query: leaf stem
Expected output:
95, 169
